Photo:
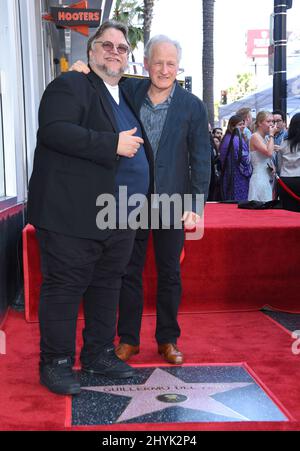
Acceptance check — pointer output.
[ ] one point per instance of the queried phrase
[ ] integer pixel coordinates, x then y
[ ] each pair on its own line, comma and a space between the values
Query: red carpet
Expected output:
220, 338
247, 259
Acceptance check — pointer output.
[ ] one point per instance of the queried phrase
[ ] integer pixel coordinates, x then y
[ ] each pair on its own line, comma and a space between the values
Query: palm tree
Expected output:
130, 12
208, 57
148, 15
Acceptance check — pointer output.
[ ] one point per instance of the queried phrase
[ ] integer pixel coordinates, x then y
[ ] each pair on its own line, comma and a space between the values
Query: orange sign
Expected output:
77, 17
69, 17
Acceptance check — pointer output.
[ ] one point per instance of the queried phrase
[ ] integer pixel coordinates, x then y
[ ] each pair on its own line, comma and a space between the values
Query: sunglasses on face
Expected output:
109, 47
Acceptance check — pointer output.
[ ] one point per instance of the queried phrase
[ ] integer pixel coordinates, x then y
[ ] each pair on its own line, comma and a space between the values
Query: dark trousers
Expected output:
168, 245
72, 269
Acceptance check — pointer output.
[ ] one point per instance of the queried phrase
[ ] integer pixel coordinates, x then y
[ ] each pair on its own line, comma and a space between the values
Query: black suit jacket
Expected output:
75, 158
183, 159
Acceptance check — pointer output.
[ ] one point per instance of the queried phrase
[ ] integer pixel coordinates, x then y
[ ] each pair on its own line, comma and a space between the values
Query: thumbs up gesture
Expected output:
128, 143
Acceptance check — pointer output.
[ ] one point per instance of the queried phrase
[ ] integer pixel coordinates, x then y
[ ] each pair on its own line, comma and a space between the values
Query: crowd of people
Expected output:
253, 155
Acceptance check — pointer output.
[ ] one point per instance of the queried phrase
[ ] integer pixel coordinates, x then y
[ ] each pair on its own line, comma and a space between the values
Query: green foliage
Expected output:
216, 110
131, 12
244, 85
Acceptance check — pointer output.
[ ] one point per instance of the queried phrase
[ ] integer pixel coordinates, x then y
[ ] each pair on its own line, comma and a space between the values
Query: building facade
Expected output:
31, 54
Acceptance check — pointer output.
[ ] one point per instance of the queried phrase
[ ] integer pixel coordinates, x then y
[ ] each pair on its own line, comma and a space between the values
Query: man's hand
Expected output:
80, 66
190, 219
128, 144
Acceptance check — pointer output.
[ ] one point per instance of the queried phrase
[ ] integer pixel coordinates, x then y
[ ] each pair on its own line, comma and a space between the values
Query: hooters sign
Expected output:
76, 16
68, 17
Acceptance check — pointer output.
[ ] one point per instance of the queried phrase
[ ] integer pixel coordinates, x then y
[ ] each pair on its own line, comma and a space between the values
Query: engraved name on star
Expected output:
162, 387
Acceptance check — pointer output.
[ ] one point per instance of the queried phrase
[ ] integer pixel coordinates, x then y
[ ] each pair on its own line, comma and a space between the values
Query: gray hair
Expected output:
105, 26
159, 39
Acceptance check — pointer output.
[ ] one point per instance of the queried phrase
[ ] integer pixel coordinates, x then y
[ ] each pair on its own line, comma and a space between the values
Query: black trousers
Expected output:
72, 269
168, 245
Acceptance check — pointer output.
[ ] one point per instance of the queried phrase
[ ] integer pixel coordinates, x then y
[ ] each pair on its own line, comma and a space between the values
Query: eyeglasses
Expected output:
109, 47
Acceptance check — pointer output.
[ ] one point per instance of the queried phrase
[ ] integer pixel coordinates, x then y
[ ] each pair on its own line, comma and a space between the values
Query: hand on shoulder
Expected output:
80, 66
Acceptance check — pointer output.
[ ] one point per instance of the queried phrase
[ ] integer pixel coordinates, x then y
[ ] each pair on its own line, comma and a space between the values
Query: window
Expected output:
12, 129
26, 47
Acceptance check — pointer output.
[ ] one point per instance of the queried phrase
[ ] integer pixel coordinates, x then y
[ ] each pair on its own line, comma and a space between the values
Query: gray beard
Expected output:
111, 73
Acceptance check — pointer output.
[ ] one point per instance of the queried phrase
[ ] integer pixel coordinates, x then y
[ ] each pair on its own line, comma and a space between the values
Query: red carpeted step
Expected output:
247, 259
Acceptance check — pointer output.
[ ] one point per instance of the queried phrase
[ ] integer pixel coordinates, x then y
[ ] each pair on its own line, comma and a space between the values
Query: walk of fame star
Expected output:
162, 390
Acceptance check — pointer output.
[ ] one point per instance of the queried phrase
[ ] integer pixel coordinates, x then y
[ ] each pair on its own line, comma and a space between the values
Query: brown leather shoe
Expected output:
124, 351
171, 353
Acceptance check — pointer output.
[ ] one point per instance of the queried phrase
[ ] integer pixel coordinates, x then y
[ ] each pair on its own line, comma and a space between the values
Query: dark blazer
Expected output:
75, 158
183, 160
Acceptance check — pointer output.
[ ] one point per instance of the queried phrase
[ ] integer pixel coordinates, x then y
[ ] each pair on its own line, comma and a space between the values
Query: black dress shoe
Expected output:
59, 377
108, 364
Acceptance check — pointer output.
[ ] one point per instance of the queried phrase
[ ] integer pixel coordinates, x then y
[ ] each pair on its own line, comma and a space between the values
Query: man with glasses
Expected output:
89, 143
177, 127
279, 119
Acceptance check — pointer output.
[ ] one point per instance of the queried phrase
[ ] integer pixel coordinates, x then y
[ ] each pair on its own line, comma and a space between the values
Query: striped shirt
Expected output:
153, 118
